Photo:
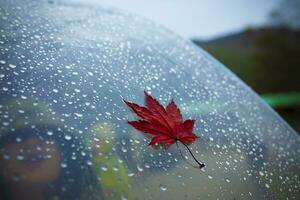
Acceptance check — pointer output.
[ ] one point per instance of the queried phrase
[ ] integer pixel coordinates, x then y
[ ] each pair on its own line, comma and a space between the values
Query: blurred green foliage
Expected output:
228, 56
268, 60
278, 59
282, 100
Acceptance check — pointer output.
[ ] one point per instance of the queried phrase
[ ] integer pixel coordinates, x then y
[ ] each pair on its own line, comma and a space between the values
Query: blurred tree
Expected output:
267, 58
278, 60
287, 13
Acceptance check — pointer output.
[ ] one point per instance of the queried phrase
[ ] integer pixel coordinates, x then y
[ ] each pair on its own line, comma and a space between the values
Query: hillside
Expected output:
267, 59
254, 54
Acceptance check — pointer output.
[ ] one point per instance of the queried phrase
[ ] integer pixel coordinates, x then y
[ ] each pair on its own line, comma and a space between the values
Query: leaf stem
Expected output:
201, 165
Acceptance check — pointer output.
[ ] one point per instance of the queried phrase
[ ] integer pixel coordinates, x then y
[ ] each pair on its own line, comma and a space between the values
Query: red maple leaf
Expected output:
165, 124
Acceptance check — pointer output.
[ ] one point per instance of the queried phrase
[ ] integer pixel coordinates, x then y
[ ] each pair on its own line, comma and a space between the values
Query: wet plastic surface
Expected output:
65, 68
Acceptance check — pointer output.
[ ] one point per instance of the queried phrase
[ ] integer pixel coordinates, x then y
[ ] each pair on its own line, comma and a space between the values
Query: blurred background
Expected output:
258, 40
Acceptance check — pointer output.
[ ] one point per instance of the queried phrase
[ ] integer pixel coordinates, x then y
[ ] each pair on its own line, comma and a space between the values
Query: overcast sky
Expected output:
202, 19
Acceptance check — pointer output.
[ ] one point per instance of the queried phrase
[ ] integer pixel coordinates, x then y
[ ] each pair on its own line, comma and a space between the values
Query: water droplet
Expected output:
18, 139
123, 197
63, 189
123, 149
63, 165
55, 90
210, 177
131, 174
73, 157
20, 157
267, 185
49, 132
89, 162
12, 66
139, 168
6, 157
16, 178
5, 123
68, 137
123, 142
227, 180
104, 168
115, 168
78, 114
261, 173
163, 187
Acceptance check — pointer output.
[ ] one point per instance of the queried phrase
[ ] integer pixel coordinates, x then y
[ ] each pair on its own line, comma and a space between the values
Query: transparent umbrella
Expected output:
65, 69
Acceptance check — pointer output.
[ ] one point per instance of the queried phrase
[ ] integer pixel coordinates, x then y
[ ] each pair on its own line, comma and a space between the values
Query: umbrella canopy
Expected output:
65, 68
